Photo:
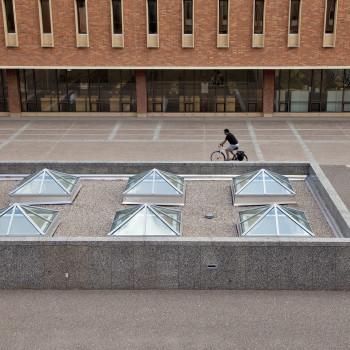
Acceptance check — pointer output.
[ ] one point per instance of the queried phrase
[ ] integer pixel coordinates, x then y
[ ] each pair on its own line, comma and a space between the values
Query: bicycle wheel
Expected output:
217, 156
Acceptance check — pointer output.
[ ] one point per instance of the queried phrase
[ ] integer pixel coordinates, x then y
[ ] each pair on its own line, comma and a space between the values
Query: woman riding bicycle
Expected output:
232, 141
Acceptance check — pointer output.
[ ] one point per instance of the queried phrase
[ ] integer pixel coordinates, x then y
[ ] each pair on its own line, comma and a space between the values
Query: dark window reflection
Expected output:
78, 90
294, 17
117, 17
3, 91
45, 16
223, 16
152, 17
82, 18
204, 90
312, 90
10, 17
188, 20
259, 17
330, 14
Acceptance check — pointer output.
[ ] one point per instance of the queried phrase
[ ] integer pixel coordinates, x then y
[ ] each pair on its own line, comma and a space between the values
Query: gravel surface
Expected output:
93, 210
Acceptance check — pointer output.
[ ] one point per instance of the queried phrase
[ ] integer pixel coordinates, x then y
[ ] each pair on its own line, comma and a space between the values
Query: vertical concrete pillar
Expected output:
269, 91
14, 100
141, 92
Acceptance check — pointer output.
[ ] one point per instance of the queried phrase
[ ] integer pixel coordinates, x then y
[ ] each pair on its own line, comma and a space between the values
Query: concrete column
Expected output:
269, 91
141, 92
14, 99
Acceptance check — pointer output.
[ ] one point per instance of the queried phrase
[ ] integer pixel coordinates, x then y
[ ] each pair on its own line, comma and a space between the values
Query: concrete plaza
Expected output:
177, 319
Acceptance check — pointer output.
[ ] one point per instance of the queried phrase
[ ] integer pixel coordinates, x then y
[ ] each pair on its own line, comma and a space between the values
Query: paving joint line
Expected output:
114, 131
157, 131
257, 148
24, 127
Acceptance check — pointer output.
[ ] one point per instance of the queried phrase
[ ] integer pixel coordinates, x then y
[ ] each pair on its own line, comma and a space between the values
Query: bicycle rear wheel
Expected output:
217, 156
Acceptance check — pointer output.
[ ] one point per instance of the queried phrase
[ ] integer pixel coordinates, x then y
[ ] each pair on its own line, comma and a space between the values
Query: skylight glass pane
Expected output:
126, 212
175, 214
246, 214
21, 226
266, 226
255, 187
170, 220
5, 222
288, 227
238, 179
134, 179
176, 181
241, 184
247, 224
50, 186
283, 179
44, 220
27, 178
273, 187
162, 187
298, 216
67, 181
135, 226
144, 187
32, 187
155, 226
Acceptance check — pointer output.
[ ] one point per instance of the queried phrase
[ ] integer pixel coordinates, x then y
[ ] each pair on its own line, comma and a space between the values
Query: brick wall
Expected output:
269, 91
13, 92
170, 53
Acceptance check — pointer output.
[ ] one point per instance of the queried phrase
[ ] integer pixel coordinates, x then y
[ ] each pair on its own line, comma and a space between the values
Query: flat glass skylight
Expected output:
24, 220
146, 220
46, 187
155, 186
262, 187
274, 220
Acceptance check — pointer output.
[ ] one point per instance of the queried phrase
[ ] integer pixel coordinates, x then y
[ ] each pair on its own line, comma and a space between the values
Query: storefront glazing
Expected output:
204, 90
315, 90
3, 92
77, 90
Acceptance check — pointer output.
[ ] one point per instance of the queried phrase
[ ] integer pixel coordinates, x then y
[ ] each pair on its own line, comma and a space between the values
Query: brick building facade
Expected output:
279, 68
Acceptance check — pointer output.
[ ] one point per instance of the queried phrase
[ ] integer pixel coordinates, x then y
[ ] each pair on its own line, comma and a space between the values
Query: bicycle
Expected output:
220, 155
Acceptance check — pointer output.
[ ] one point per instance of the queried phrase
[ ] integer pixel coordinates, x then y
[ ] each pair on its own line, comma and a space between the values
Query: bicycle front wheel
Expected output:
217, 156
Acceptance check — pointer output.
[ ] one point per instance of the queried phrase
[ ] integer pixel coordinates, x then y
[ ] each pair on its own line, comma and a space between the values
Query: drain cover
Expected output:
209, 216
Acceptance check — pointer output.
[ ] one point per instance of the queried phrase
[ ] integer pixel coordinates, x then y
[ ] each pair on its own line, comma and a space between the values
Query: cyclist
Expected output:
233, 144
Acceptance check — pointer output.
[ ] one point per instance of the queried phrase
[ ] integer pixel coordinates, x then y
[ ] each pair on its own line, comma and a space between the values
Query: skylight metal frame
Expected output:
150, 207
39, 198
239, 199
49, 231
266, 211
177, 199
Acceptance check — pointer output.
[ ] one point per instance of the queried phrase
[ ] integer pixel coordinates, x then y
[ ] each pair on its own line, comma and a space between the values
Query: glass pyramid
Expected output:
46, 187
262, 187
146, 220
155, 186
273, 220
24, 220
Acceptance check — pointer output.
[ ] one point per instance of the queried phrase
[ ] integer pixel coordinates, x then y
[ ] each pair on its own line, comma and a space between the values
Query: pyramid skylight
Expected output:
46, 187
262, 187
273, 220
155, 186
146, 220
23, 220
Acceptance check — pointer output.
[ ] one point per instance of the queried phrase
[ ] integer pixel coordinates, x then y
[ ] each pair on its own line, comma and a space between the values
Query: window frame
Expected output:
184, 18
262, 12
292, 29
221, 15
114, 17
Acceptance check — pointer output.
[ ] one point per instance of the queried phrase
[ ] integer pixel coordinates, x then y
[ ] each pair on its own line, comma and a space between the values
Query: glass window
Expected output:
330, 14
223, 16
117, 17
152, 17
332, 90
10, 17
259, 17
188, 18
45, 16
82, 18
294, 17
3, 91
